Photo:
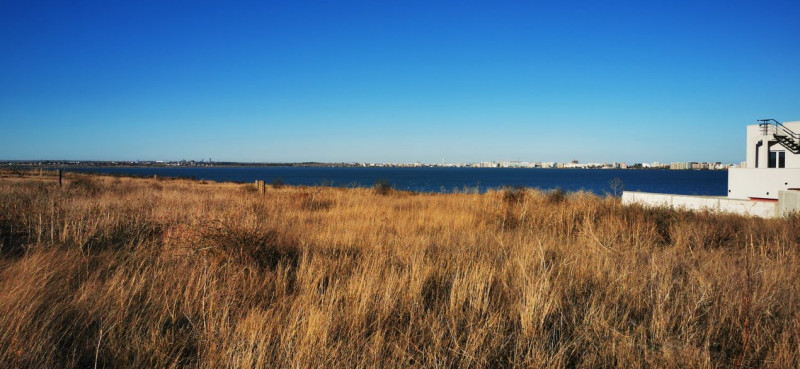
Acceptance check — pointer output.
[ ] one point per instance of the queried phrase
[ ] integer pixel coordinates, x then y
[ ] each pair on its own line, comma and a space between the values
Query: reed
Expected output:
132, 272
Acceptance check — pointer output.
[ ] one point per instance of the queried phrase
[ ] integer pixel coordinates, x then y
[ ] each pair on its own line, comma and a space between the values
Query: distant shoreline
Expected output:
22, 164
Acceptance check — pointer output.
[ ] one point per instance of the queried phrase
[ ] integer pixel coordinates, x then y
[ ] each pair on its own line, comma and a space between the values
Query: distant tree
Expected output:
616, 185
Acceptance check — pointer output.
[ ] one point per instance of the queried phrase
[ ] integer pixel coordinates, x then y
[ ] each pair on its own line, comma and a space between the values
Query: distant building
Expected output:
680, 165
699, 165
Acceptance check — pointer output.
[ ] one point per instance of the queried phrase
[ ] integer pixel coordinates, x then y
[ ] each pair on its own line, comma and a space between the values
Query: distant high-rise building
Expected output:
680, 165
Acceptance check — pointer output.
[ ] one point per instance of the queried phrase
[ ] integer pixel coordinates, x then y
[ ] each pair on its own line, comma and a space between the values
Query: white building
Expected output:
766, 185
680, 165
773, 161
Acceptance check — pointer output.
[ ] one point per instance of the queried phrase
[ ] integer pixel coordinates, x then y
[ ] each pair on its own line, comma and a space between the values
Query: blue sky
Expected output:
386, 81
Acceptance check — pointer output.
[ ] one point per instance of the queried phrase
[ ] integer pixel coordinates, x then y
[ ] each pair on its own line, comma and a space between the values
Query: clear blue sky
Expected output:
384, 81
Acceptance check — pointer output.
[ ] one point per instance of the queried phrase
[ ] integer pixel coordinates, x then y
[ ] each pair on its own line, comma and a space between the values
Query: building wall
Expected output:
755, 135
765, 183
788, 203
756, 179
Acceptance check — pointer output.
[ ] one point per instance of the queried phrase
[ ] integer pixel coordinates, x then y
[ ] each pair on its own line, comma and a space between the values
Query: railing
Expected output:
778, 128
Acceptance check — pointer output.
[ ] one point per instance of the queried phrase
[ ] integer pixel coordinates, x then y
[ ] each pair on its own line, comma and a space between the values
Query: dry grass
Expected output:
119, 272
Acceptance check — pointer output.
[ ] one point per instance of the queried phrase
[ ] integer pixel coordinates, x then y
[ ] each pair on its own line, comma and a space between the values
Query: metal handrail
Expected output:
779, 128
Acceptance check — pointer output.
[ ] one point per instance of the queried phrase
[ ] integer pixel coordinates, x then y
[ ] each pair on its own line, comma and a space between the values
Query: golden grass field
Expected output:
127, 272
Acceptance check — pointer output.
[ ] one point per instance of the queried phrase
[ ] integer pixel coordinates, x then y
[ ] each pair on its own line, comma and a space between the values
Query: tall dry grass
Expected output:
120, 272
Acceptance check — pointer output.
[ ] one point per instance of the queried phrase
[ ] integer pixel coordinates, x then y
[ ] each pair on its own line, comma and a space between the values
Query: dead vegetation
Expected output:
121, 272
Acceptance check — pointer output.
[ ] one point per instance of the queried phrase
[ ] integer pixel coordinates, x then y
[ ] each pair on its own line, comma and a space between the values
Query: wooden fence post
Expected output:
59, 177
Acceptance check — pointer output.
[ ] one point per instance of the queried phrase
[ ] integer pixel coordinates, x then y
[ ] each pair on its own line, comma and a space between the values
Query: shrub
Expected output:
514, 194
277, 183
313, 201
248, 188
84, 184
259, 246
383, 187
556, 196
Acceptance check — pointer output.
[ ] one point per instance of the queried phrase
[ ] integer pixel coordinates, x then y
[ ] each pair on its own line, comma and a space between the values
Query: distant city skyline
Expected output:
394, 81
482, 164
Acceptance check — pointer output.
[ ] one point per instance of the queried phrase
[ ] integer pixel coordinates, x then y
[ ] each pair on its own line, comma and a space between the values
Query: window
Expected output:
777, 159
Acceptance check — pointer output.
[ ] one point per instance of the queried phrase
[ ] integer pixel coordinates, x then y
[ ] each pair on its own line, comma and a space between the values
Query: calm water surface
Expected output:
687, 182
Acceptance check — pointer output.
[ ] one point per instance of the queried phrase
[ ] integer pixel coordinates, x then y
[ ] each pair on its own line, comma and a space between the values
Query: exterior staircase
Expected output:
785, 136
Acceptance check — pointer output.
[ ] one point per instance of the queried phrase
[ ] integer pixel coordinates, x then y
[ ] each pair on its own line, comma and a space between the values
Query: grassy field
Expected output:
124, 272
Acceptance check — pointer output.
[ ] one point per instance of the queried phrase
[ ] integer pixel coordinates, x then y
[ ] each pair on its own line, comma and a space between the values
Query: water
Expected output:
686, 182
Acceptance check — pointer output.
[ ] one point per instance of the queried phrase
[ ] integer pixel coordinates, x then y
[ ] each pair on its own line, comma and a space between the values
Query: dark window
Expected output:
781, 159
773, 158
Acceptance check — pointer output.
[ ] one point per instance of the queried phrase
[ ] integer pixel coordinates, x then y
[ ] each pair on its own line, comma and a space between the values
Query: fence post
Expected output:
59, 177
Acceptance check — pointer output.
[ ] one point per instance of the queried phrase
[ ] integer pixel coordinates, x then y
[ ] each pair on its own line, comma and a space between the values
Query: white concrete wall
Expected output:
765, 183
788, 203
754, 135
762, 209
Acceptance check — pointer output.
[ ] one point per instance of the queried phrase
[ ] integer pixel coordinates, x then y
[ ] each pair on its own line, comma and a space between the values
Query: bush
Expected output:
248, 188
84, 184
277, 183
383, 187
514, 194
556, 196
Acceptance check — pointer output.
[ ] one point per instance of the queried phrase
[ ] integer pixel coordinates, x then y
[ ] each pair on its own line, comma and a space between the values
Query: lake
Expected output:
687, 182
